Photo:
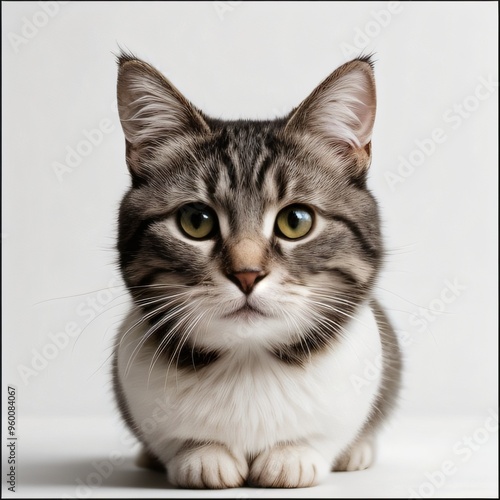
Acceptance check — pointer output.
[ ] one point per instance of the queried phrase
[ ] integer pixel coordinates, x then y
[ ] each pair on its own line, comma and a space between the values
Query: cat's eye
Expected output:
294, 222
197, 221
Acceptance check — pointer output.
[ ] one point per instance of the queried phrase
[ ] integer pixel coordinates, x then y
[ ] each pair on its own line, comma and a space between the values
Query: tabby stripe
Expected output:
231, 171
311, 343
346, 275
275, 245
211, 181
222, 145
280, 180
314, 340
177, 350
261, 173
144, 226
191, 358
130, 246
149, 278
356, 231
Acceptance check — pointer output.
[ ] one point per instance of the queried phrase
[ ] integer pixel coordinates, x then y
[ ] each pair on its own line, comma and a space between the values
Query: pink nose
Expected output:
247, 280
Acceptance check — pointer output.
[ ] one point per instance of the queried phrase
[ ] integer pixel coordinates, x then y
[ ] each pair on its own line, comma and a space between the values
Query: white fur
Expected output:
268, 222
291, 466
208, 466
361, 455
250, 401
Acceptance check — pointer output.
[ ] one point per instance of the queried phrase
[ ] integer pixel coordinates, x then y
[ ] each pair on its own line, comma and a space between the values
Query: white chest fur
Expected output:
249, 400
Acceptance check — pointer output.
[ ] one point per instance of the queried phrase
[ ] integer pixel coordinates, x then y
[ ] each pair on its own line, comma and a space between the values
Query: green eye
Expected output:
197, 221
294, 222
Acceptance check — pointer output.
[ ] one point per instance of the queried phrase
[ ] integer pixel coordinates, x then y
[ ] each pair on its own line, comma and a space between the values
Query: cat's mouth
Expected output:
246, 312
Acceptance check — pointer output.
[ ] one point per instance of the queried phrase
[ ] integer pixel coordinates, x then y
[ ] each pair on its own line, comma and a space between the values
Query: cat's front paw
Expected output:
359, 457
207, 466
288, 466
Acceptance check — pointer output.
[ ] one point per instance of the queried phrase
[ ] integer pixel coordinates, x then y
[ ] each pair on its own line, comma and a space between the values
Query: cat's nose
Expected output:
246, 280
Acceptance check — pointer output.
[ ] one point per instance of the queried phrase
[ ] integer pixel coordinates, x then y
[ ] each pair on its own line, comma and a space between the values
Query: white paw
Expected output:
207, 466
288, 466
359, 457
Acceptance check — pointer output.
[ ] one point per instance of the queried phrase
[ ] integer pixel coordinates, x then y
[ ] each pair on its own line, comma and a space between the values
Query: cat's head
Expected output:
248, 232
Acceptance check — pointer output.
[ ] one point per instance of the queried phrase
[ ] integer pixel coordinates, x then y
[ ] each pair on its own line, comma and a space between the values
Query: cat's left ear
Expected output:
152, 111
341, 110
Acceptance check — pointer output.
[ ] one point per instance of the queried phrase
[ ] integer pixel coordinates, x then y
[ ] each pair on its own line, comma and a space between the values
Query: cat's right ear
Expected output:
152, 111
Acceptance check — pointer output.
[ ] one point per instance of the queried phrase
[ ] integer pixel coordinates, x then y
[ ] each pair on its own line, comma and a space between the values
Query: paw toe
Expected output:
208, 466
288, 467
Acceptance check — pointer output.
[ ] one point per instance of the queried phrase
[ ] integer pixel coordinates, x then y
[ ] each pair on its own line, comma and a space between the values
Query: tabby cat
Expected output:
251, 250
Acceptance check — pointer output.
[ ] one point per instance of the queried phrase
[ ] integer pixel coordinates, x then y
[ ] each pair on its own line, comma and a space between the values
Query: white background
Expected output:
253, 60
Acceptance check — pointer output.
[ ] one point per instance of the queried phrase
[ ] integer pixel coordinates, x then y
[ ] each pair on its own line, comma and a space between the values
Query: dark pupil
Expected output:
197, 219
293, 220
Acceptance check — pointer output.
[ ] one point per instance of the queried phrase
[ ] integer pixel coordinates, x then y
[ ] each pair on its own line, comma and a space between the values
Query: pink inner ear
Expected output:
152, 109
345, 110
365, 112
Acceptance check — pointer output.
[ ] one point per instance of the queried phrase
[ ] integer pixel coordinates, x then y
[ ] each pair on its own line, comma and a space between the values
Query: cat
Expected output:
251, 250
